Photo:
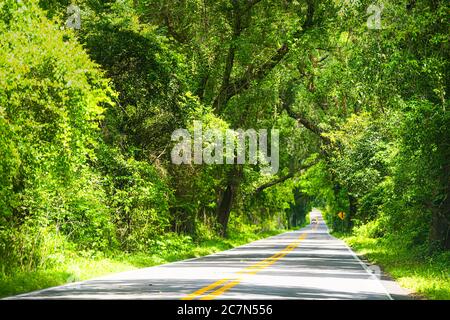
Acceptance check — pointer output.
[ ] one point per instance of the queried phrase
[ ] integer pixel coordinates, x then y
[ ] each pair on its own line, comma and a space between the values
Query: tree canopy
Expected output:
86, 117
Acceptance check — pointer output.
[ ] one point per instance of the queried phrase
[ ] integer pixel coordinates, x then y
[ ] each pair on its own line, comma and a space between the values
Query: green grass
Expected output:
86, 265
427, 276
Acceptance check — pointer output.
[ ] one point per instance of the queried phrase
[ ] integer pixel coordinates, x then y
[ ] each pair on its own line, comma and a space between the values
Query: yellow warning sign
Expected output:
341, 215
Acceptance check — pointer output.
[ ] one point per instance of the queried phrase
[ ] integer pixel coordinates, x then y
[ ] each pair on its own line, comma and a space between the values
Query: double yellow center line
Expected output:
222, 285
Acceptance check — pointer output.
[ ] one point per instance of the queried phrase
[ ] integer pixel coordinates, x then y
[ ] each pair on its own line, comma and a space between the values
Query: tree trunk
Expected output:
440, 219
226, 202
225, 209
352, 208
439, 233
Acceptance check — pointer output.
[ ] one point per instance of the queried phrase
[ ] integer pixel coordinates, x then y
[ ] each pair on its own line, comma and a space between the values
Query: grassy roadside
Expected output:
427, 276
76, 266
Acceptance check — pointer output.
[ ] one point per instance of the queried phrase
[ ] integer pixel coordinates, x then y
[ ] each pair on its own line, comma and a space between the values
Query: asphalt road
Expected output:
304, 264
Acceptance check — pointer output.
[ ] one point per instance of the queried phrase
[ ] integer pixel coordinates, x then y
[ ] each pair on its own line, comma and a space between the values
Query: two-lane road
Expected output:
304, 264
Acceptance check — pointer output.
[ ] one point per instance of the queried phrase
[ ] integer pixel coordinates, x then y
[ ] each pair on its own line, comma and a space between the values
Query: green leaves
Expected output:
85, 153
52, 97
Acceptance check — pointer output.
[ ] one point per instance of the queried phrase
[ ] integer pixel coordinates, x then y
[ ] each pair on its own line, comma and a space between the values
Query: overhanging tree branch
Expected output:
170, 27
273, 183
257, 73
306, 123
252, 74
281, 179
237, 29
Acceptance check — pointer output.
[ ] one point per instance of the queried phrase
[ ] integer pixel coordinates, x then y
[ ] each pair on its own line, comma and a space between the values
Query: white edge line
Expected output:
372, 276
369, 272
360, 261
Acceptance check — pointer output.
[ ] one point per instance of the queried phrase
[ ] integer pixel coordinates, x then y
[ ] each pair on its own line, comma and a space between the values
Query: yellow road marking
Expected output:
203, 290
253, 269
262, 263
275, 257
221, 290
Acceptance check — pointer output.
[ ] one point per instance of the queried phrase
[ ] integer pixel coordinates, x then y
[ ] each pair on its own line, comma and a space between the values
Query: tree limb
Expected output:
272, 183
237, 29
257, 73
281, 179
306, 123
237, 86
177, 36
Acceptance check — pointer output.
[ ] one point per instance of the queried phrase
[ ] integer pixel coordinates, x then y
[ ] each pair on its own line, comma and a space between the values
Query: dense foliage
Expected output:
86, 117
